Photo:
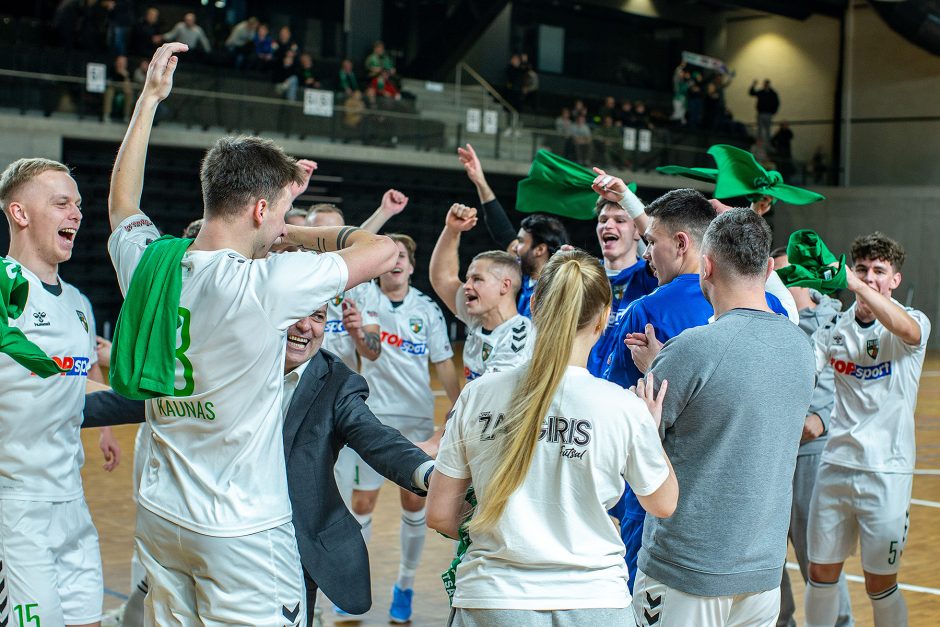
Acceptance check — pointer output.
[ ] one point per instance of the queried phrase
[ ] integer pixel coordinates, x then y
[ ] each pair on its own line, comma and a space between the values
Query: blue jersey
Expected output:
524, 304
627, 286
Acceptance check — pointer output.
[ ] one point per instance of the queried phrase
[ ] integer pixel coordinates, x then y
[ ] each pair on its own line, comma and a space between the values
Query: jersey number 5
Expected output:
189, 385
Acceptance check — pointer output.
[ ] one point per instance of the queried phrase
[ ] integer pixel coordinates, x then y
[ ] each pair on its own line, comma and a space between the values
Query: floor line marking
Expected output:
114, 593
927, 471
925, 503
858, 579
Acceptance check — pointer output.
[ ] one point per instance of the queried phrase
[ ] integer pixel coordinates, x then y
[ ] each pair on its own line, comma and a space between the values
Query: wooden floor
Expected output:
109, 497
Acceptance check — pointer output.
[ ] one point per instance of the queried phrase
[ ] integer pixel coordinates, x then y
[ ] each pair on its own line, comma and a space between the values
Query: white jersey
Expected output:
876, 377
554, 546
41, 451
508, 345
216, 459
413, 333
775, 286
335, 336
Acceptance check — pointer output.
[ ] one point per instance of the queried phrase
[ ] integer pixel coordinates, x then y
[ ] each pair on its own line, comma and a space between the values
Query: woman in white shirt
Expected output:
547, 447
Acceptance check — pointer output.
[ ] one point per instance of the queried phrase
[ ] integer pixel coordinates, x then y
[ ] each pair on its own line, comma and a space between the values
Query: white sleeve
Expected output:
923, 322
821, 338
127, 244
290, 286
776, 287
646, 469
438, 340
452, 454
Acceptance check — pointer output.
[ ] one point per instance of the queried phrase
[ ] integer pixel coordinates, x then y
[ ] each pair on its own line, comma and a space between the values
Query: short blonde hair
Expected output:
21, 172
504, 265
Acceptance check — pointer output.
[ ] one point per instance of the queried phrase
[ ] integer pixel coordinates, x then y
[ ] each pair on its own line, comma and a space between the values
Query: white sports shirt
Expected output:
41, 451
335, 337
876, 379
413, 333
508, 345
775, 286
555, 547
216, 460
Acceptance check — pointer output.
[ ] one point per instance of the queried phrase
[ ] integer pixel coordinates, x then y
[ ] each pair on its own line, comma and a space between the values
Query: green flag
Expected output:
559, 186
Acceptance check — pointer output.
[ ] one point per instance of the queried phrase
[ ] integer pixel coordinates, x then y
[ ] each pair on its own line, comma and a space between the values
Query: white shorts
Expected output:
50, 565
655, 603
415, 429
197, 579
856, 506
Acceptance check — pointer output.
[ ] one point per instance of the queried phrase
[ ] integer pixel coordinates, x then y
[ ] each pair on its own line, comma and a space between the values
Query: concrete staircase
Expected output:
440, 103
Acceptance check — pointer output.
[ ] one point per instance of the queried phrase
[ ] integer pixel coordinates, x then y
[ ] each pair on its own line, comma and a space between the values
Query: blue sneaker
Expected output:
342, 616
400, 611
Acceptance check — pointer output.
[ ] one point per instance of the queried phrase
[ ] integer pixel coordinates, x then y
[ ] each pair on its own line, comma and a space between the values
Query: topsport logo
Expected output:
334, 326
73, 366
862, 373
407, 346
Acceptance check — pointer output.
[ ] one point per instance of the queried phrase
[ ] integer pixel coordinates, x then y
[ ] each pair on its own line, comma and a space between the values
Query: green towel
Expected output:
14, 292
810, 264
449, 576
739, 174
559, 186
144, 351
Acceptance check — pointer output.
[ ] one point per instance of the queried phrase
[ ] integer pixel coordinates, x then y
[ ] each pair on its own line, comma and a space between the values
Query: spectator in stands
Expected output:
530, 84
190, 33
120, 22
348, 82
781, 143
695, 102
579, 109
372, 131
285, 75
379, 60
145, 37
240, 42
608, 109
384, 86
285, 42
563, 143
626, 116
305, 75
679, 88
352, 117
768, 103
641, 115
515, 81
608, 143
140, 72
264, 48
119, 95
581, 136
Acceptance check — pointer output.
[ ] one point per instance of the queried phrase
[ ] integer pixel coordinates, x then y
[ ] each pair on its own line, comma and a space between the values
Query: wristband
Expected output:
631, 204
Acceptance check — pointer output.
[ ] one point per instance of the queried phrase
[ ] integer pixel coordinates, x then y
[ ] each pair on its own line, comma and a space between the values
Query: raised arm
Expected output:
445, 261
495, 218
891, 315
127, 178
393, 202
616, 191
366, 255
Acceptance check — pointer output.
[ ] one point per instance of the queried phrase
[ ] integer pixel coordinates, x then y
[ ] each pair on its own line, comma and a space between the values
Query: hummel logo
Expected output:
653, 602
290, 615
40, 319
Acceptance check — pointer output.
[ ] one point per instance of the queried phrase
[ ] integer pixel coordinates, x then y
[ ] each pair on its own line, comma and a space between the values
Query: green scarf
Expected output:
559, 186
144, 351
449, 576
810, 261
739, 174
14, 292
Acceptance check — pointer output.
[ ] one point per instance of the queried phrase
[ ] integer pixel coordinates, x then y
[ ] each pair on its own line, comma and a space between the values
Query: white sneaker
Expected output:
113, 617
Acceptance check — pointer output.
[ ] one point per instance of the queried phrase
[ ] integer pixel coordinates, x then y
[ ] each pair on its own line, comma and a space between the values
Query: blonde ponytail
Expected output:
572, 291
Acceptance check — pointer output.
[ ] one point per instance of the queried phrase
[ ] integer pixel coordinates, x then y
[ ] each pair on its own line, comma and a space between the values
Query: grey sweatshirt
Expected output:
739, 390
823, 397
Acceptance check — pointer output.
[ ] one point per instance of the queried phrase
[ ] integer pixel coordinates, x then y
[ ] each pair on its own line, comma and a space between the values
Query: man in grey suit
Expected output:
325, 409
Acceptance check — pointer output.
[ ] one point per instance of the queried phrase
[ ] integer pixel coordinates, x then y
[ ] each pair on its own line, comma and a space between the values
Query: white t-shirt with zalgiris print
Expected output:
508, 345
876, 380
41, 451
216, 460
335, 336
555, 547
413, 333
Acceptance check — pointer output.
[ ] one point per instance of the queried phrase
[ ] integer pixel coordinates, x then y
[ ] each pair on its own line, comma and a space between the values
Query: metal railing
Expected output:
489, 93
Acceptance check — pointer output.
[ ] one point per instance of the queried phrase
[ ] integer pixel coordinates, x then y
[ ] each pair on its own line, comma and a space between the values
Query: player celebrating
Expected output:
863, 489
213, 511
413, 333
497, 336
51, 566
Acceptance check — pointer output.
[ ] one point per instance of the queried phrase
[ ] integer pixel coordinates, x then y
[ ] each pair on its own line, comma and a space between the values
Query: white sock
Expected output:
889, 608
822, 604
413, 532
134, 608
365, 521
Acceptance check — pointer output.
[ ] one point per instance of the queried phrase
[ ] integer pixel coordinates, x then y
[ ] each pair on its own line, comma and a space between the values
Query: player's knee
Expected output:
825, 573
876, 584
412, 502
363, 503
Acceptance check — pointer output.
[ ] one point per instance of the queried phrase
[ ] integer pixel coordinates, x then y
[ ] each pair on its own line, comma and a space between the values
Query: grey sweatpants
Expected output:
804, 478
460, 617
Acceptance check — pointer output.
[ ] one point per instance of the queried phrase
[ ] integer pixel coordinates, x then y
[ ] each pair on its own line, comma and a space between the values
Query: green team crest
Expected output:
487, 349
82, 319
871, 347
416, 324
338, 299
